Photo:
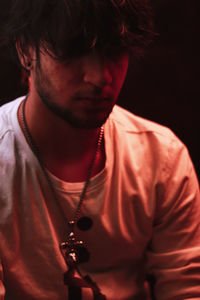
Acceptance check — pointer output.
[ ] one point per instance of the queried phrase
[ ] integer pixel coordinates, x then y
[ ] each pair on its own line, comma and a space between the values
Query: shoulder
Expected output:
145, 141
142, 131
8, 131
7, 114
152, 148
132, 124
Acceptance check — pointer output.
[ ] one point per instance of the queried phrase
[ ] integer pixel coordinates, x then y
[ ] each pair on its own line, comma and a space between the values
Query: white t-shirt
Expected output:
145, 208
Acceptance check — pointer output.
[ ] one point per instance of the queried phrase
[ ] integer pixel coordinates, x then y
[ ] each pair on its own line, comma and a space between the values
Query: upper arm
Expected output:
2, 288
174, 251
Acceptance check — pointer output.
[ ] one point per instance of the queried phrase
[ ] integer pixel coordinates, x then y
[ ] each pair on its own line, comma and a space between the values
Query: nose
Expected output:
97, 71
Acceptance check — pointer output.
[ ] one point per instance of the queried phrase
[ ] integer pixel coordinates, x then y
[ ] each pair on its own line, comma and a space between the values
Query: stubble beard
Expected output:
68, 115
71, 118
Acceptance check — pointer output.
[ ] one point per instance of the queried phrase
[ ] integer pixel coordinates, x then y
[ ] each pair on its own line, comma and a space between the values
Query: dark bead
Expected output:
84, 223
82, 254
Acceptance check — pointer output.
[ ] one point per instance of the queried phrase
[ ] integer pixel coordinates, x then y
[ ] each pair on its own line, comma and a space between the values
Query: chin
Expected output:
85, 119
94, 120
85, 123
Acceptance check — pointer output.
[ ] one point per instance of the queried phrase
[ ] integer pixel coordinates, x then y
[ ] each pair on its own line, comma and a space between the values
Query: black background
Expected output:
164, 85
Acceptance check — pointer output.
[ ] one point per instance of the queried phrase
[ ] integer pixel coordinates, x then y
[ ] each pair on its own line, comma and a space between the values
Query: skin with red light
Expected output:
84, 89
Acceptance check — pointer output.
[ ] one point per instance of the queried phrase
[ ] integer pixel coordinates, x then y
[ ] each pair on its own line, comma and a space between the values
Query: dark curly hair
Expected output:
69, 28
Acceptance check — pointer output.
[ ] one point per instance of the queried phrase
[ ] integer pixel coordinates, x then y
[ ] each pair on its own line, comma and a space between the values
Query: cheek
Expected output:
58, 75
119, 72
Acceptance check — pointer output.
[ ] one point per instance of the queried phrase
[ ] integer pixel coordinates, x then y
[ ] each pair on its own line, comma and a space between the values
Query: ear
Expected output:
25, 54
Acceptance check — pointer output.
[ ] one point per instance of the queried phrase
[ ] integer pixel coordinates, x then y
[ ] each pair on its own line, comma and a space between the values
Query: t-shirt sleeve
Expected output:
2, 288
174, 251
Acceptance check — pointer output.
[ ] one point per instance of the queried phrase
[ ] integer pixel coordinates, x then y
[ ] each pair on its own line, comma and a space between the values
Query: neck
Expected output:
66, 151
48, 129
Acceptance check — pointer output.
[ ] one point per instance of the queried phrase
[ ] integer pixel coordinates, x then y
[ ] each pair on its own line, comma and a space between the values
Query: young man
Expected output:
92, 197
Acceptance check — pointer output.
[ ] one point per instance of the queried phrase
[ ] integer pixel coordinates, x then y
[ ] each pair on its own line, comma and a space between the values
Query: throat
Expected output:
77, 166
76, 171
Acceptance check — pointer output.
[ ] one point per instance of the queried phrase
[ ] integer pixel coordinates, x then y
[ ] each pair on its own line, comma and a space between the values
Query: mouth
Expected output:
95, 103
94, 98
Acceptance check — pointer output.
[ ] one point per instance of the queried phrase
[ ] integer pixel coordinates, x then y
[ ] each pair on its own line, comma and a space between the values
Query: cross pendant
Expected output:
70, 250
73, 250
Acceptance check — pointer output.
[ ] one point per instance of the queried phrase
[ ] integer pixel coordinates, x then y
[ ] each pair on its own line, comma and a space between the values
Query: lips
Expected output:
95, 103
94, 98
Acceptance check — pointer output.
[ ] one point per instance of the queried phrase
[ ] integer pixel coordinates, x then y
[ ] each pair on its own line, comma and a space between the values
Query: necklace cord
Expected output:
71, 255
36, 152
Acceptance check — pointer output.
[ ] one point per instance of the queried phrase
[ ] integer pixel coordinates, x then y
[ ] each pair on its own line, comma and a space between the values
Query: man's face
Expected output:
83, 90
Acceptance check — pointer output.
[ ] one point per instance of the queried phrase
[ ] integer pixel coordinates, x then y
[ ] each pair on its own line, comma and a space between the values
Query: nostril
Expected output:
99, 78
